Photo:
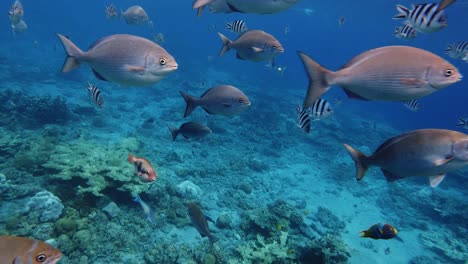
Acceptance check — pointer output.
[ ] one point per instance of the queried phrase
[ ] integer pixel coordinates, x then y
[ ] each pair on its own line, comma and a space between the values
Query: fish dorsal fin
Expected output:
392, 141
233, 8
99, 41
206, 92
363, 57
434, 181
99, 76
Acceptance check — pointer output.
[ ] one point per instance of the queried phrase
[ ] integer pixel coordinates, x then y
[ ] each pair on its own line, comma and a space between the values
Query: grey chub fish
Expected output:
391, 73
219, 100
199, 220
190, 130
123, 59
244, 6
253, 45
425, 152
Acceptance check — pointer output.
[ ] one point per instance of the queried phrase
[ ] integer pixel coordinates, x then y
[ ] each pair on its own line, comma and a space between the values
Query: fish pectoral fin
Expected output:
99, 76
136, 68
412, 81
257, 49
434, 181
439, 162
226, 105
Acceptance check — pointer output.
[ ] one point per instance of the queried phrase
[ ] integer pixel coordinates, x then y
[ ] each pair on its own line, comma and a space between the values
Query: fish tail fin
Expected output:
226, 43
131, 158
403, 12
363, 233
137, 199
191, 103
319, 78
174, 132
359, 159
461, 122
73, 52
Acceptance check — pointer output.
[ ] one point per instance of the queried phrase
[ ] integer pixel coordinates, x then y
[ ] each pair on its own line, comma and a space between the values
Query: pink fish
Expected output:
144, 170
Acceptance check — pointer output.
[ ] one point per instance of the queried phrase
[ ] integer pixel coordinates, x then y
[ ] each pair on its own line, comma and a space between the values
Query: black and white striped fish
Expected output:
423, 17
95, 94
319, 110
412, 105
462, 122
457, 50
237, 26
406, 32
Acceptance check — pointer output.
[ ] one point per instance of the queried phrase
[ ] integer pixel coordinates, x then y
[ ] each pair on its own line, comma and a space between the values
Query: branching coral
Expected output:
261, 251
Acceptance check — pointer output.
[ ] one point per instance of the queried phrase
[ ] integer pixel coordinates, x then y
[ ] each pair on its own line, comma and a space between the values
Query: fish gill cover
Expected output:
275, 193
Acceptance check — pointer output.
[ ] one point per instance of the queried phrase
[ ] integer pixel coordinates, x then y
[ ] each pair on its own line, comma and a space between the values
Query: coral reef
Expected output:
45, 206
189, 190
455, 250
271, 251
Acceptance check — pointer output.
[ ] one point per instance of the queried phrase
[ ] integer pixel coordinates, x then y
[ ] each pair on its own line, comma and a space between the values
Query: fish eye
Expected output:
41, 258
448, 72
275, 47
241, 100
162, 61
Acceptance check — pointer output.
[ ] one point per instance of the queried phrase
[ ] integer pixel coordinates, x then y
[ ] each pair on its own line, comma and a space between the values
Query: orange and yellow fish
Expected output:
15, 250
144, 170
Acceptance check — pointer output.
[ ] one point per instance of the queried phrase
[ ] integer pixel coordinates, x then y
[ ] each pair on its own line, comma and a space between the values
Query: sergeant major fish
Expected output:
219, 100
457, 50
95, 95
390, 73
462, 122
425, 152
111, 11
253, 45
412, 105
190, 130
22, 250
199, 221
426, 18
123, 59
319, 110
143, 168
406, 32
150, 216
236, 26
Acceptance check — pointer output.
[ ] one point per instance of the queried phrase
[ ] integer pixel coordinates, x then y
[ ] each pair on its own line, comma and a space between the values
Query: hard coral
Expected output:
45, 206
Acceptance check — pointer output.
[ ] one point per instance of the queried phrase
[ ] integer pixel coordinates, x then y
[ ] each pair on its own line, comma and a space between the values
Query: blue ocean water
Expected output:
277, 195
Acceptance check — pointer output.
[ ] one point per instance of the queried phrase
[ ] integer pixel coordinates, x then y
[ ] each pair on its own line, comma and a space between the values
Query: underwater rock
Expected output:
223, 221
443, 242
45, 205
111, 210
4, 185
245, 187
189, 190
66, 226
209, 259
329, 221
421, 260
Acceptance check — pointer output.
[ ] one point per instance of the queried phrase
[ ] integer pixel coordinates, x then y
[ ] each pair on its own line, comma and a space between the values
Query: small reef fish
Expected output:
390, 73
135, 15
143, 168
457, 50
159, 38
426, 18
190, 130
253, 45
341, 21
236, 26
244, 6
286, 30
462, 122
303, 118
95, 95
16, 12
200, 222
319, 110
111, 11
465, 58
380, 231
406, 32
219, 100
412, 105
425, 152
124, 59
146, 209
19, 27
22, 250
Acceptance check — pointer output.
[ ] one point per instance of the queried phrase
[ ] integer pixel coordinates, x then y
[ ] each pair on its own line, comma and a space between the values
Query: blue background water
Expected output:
191, 41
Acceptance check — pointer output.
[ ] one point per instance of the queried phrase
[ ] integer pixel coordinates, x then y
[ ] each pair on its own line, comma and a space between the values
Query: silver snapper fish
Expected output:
253, 45
189, 130
391, 73
123, 59
16, 12
249, 6
19, 27
425, 152
135, 15
219, 100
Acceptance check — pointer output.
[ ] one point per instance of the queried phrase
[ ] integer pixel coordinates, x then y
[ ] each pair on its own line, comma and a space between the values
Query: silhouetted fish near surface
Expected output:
380, 231
245, 6
391, 73
219, 100
190, 130
123, 59
253, 45
199, 221
425, 152
22, 250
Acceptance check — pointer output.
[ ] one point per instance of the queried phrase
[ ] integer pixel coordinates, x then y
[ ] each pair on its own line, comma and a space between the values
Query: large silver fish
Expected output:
189, 130
123, 59
391, 73
219, 100
250, 6
253, 45
425, 152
